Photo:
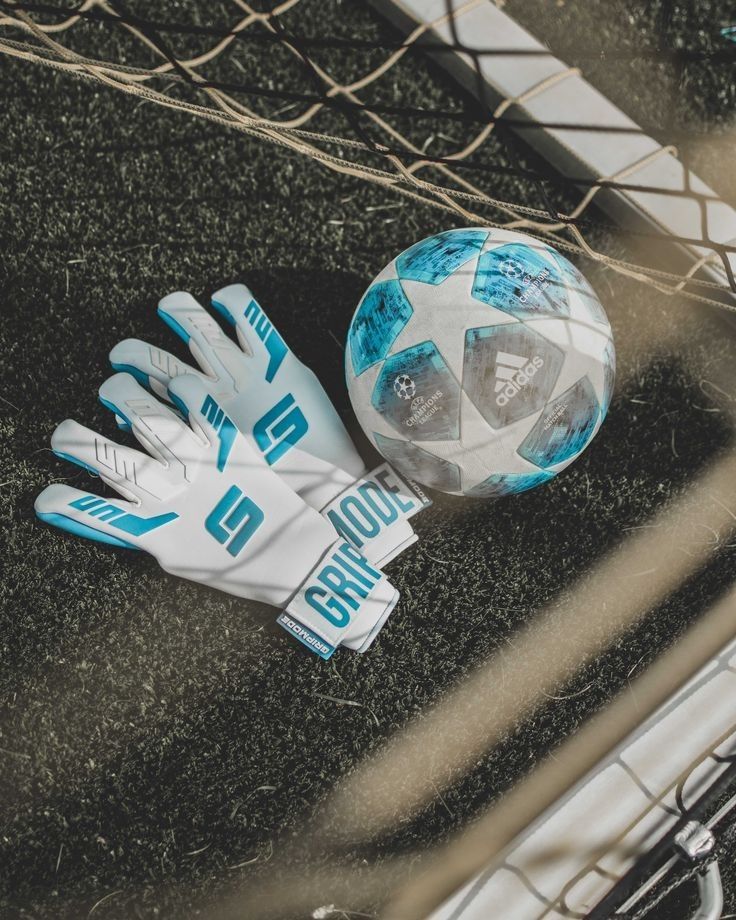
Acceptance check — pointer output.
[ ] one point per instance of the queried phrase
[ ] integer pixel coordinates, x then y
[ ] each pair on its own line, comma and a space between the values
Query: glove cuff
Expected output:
373, 513
362, 641
343, 598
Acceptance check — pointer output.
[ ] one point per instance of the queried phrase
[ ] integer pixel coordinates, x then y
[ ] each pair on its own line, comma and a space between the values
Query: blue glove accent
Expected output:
85, 466
235, 518
116, 517
224, 427
172, 324
82, 530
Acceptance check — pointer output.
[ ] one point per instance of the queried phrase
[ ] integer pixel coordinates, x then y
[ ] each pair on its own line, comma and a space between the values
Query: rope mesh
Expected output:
333, 98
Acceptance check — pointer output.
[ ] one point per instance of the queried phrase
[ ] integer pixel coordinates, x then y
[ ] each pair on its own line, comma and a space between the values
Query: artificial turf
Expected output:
160, 741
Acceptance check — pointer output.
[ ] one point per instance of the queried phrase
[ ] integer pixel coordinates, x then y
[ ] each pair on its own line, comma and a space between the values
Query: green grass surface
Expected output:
160, 741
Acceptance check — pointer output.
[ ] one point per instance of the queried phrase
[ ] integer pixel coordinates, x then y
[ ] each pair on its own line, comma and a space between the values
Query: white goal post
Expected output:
570, 124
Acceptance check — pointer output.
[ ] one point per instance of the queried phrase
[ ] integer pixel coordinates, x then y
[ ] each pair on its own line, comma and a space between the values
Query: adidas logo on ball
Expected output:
512, 374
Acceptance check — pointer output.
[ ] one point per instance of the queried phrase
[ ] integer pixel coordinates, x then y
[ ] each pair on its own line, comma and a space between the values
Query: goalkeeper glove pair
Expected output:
223, 495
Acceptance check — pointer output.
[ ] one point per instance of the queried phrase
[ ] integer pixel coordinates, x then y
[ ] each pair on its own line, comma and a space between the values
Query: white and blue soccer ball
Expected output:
480, 362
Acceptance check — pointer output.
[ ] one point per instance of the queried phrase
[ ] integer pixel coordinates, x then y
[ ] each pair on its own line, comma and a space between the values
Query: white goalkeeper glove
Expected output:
279, 403
209, 508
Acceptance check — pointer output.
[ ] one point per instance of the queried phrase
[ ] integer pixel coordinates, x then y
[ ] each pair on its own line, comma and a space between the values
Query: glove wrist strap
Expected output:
372, 513
344, 597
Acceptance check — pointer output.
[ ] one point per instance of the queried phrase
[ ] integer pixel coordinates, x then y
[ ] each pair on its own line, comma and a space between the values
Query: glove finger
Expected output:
124, 425
152, 367
217, 355
132, 473
257, 335
105, 520
207, 417
157, 427
273, 361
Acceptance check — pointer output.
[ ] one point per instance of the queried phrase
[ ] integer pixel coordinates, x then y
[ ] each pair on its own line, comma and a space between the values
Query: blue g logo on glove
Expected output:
280, 429
235, 518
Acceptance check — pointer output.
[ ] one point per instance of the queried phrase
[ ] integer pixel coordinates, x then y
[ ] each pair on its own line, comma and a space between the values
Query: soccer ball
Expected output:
480, 362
